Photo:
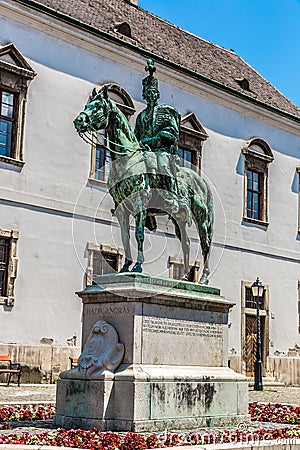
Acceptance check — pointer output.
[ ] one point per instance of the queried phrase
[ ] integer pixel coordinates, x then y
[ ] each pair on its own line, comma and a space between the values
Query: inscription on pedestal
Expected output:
168, 340
105, 310
181, 327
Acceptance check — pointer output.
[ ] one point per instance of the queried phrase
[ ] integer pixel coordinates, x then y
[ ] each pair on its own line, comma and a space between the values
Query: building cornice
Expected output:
120, 42
85, 36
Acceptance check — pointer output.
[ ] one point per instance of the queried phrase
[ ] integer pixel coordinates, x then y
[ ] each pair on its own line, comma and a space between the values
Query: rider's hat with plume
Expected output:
150, 80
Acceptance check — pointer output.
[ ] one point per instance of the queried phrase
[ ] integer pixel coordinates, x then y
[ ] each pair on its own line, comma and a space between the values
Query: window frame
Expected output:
103, 249
12, 266
12, 120
259, 192
93, 171
4, 250
192, 135
192, 163
259, 163
298, 171
127, 109
299, 306
248, 289
15, 78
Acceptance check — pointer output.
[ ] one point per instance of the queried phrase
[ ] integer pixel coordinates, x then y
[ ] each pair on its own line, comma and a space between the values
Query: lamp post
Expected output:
257, 293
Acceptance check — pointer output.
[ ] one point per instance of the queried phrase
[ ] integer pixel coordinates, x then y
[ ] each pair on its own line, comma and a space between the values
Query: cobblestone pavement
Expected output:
40, 393
34, 393
27, 393
276, 394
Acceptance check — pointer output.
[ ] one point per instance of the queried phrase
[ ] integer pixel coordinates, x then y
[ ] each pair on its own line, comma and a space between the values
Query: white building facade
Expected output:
55, 218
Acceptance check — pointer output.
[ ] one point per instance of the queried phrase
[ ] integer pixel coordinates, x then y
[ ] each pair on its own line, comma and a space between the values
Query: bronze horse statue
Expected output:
132, 187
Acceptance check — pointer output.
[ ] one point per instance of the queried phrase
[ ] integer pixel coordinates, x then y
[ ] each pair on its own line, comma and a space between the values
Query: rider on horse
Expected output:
131, 177
157, 130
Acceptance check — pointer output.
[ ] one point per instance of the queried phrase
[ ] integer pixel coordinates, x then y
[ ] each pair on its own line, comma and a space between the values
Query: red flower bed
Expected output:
275, 412
96, 440
30, 412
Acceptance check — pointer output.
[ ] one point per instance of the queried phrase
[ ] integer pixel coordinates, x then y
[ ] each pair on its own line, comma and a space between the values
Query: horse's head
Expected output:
96, 113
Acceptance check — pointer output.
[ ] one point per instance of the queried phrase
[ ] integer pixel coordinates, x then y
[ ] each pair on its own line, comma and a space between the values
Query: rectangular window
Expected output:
178, 271
4, 258
7, 118
185, 157
254, 195
102, 259
102, 163
15, 76
299, 306
298, 170
103, 263
101, 159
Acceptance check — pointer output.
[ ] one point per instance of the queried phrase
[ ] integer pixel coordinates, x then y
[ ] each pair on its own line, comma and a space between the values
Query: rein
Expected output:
89, 140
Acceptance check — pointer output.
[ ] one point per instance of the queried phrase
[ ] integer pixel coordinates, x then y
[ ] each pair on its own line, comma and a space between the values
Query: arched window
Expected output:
100, 158
258, 155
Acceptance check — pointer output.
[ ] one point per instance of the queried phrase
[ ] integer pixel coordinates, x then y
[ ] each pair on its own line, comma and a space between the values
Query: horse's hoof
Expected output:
124, 269
126, 265
137, 268
185, 278
204, 281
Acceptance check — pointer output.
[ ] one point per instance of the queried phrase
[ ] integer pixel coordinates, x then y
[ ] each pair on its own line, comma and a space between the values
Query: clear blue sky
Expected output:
266, 33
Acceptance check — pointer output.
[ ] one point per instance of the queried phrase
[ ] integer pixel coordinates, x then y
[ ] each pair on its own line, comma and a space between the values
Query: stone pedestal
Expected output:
174, 373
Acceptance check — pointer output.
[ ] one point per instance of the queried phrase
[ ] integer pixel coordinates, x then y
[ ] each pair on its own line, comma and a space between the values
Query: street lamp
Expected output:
257, 289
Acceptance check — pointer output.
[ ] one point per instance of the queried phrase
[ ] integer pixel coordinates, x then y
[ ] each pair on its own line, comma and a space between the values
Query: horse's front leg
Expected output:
123, 219
140, 219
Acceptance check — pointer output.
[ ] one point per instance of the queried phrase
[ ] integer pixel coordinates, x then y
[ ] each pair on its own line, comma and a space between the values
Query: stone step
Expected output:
267, 382
26, 403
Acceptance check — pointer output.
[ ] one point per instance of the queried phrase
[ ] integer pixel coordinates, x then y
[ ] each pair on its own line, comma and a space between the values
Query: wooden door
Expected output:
250, 343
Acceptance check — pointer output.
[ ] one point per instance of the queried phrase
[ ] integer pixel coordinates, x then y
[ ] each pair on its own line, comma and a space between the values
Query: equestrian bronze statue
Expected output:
145, 179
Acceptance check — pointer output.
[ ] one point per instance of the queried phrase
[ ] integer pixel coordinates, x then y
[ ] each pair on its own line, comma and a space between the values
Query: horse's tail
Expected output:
202, 207
210, 213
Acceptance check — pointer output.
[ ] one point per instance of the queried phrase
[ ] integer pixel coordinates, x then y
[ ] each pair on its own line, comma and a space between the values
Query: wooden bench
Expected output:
74, 362
6, 366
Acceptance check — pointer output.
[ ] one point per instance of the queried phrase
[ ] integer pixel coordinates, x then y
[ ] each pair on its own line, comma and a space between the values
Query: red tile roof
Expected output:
165, 41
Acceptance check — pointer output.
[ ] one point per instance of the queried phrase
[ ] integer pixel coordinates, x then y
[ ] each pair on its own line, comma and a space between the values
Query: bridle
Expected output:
90, 135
